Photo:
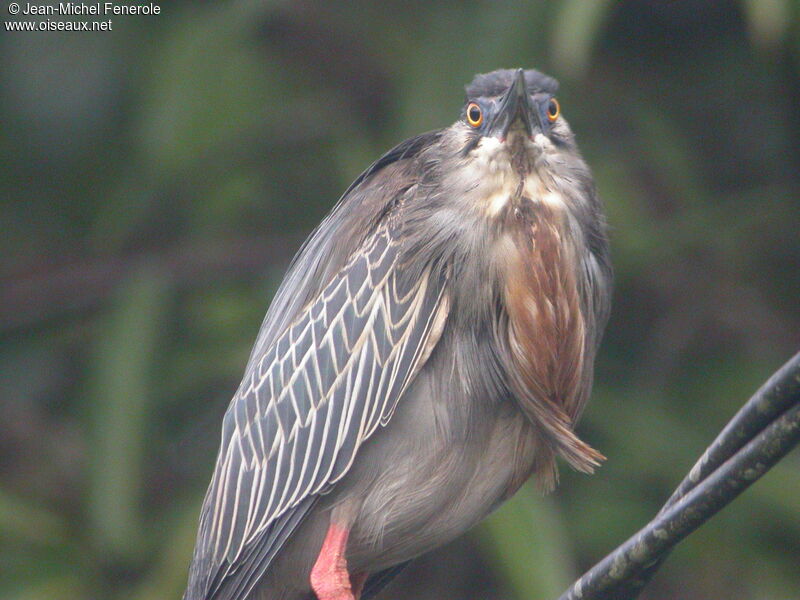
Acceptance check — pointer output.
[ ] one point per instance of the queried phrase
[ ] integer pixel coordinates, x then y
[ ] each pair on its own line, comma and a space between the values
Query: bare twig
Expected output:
771, 400
762, 433
780, 393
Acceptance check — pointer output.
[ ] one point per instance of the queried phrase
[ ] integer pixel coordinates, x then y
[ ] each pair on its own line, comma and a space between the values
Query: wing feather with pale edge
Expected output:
327, 383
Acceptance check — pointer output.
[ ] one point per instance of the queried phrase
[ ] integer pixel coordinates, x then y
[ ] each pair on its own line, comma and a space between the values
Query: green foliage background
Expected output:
156, 180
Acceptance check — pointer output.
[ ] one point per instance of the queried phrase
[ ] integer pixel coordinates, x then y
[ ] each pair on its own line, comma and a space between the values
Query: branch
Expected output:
765, 429
780, 393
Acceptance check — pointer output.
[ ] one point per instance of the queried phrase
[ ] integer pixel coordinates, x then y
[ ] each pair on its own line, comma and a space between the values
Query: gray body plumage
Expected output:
394, 381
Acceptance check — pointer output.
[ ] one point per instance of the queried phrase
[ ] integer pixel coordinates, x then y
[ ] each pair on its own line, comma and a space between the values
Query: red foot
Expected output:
330, 579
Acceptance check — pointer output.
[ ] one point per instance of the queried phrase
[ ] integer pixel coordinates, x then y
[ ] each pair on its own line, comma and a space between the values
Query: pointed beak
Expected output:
515, 107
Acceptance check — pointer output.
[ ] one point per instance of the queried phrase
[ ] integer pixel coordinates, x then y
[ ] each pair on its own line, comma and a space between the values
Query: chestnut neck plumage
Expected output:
523, 230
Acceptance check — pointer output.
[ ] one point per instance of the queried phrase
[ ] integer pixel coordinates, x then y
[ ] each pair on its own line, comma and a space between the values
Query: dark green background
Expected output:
156, 180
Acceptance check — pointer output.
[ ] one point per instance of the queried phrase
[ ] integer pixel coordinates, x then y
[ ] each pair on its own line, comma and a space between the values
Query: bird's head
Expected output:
512, 115
508, 103
511, 131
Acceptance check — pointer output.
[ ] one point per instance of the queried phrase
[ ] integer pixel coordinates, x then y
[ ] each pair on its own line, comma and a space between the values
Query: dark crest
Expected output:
497, 82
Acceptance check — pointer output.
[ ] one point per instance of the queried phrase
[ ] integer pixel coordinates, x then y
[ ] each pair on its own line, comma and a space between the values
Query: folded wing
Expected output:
293, 430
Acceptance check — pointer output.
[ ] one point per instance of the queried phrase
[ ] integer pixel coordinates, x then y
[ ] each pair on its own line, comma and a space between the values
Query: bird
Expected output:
429, 350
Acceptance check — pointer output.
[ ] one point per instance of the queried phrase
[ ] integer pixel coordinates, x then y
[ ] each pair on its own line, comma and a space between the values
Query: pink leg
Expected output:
330, 578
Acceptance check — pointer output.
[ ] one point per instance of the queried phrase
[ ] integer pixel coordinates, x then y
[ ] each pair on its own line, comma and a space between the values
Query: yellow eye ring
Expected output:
474, 114
553, 109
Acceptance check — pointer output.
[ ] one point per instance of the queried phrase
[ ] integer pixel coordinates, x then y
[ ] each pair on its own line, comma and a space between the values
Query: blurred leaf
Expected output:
768, 21
209, 85
525, 541
576, 27
670, 152
29, 523
120, 396
779, 494
167, 576
126, 208
57, 588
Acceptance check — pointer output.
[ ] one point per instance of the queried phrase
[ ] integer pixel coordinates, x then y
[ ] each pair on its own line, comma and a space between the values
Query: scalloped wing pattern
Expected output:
305, 407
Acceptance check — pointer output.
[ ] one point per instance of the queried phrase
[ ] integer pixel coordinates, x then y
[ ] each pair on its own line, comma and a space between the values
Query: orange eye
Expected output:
553, 109
474, 115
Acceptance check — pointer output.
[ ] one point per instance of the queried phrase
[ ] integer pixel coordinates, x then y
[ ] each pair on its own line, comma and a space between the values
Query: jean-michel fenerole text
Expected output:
91, 8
